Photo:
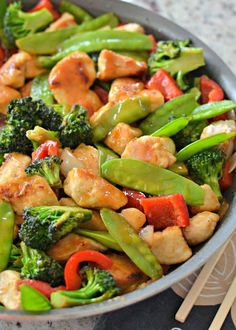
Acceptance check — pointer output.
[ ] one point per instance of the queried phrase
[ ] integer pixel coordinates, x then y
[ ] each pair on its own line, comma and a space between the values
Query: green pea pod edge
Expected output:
32, 300
212, 109
203, 144
172, 127
135, 248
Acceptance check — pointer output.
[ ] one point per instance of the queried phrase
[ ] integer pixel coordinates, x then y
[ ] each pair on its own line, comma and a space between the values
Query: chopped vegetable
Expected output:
40, 89
45, 4
210, 90
134, 198
46, 149
172, 127
42, 287
79, 14
212, 109
40, 135
166, 211
227, 177
45, 225
105, 154
32, 300
72, 278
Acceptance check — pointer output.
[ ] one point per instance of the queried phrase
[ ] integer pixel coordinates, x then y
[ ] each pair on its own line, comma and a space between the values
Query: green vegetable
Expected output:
48, 168
180, 79
126, 111
39, 266
40, 89
151, 179
6, 233
32, 300
105, 154
175, 56
94, 41
18, 24
76, 128
212, 109
3, 9
172, 127
48, 42
179, 168
178, 107
203, 144
189, 134
195, 92
101, 236
79, 14
141, 56
99, 285
39, 135
45, 225
206, 167
136, 249
15, 259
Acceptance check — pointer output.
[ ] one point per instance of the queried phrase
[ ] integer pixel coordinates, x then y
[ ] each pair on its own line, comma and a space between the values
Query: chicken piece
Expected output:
95, 223
131, 27
112, 65
12, 73
134, 217
32, 69
156, 98
211, 202
221, 126
72, 75
90, 101
170, 247
18, 219
19, 189
120, 136
7, 94
88, 156
72, 243
123, 88
201, 227
125, 272
64, 21
9, 290
154, 150
65, 201
26, 89
91, 191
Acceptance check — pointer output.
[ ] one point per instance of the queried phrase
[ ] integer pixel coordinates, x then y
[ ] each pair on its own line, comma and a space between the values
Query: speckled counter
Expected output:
214, 23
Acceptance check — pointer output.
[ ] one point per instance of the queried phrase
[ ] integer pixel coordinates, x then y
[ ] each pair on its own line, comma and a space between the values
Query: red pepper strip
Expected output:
71, 272
163, 81
2, 56
154, 43
47, 5
227, 178
134, 198
42, 287
165, 211
48, 148
224, 116
210, 90
101, 93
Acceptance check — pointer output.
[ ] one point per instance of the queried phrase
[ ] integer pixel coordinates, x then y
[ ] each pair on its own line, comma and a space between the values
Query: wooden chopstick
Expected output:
198, 285
224, 307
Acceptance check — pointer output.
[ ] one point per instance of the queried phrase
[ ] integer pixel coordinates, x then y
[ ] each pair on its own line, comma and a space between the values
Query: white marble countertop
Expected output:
214, 23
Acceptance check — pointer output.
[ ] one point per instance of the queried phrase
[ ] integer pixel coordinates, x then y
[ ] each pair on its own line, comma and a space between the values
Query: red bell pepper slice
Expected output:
166, 211
210, 90
47, 4
71, 272
48, 148
102, 94
224, 116
227, 178
166, 84
134, 198
42, 287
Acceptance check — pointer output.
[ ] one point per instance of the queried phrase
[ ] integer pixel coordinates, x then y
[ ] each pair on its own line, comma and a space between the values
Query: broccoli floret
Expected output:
39, 266
76, 129
18, 24
49, 168
98, 286
189, 134
176, 56
15, 259
45, 225
50, 118
206, 167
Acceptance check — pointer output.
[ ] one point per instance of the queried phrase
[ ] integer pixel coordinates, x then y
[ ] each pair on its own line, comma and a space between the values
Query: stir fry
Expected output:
115, 151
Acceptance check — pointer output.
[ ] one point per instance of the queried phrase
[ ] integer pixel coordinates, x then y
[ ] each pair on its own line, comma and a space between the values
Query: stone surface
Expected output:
214, 23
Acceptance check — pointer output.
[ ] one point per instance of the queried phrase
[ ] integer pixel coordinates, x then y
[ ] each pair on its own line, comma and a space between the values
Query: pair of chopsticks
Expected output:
197, 287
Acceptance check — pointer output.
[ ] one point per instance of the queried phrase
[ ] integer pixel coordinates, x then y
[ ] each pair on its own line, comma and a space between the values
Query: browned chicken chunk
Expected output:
32, 68
64, 21
7, 94
131, 27
91, 191
26, 89
112, 65
123, 88
88, 156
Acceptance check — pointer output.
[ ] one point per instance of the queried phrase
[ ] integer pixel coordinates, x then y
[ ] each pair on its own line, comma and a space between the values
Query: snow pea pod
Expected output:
172, 127
203, 144
104, 154
6, 233
32, 300
151, 179
101, 236
136, 249
40, 89
178, 107
212, 109
127, 111
79, 13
